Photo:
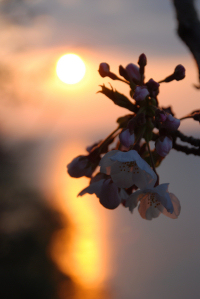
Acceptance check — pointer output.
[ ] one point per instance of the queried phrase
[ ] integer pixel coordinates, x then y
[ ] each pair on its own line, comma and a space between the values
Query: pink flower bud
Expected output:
140, 93
80, 166
160, 115
106, 191
126, 138
133, 72
104, 69
163, 146
109, 196
153, 87
179, 72
123, 72
171, 123
142, 61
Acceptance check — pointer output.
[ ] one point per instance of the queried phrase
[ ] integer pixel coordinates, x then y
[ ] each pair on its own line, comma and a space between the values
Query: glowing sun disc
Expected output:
70, 68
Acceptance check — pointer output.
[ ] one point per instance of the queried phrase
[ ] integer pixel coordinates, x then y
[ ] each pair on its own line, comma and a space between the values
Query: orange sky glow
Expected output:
46, 101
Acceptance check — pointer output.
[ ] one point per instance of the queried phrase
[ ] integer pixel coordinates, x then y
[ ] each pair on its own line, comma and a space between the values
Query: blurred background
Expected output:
53, 244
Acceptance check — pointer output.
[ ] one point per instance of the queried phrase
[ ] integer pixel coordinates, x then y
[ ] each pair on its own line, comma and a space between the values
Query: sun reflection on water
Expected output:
85, 248
86, 257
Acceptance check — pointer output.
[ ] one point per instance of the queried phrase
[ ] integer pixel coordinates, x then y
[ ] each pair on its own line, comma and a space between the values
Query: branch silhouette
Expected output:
189, 28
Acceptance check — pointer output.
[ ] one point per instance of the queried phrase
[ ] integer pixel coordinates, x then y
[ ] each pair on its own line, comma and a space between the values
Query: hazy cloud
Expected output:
139, 24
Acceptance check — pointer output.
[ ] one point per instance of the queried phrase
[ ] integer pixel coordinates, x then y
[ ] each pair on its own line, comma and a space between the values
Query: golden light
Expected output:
70, 68
86, 258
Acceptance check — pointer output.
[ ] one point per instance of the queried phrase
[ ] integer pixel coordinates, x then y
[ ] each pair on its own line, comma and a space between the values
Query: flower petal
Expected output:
126, 138
162, 189
129, 156
144, 205
152, 212
163, 197
167, 203
146, 210
142, 177
133, 199
93, 188
176, 207
123, 194
163, 146
106, 162
121, 176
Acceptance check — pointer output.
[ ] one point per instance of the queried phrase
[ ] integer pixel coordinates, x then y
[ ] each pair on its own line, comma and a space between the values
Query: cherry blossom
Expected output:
127, 169
163, 145
107, 192
179, 72
171, 123
128, 162
160, 115
153, 87
80, 166
153, 201
140, 93
142, 61
133, 72
104, 69
126, 138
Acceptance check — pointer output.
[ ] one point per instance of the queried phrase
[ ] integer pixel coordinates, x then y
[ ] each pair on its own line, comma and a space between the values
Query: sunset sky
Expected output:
131, 257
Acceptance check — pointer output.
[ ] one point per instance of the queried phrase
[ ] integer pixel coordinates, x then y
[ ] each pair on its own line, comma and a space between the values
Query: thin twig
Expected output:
186, 150
189, 139
103, 142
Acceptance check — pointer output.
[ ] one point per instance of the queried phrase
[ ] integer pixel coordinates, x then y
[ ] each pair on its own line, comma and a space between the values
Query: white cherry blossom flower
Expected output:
153, 201
127, 169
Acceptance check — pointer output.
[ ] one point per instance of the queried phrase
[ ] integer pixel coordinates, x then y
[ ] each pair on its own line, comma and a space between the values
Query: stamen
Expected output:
129, 167
152, 200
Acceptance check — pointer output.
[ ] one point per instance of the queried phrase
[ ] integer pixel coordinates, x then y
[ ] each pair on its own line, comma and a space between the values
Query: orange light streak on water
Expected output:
86, 259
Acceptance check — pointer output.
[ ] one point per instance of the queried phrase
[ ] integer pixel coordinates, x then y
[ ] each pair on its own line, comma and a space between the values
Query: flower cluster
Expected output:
129, 156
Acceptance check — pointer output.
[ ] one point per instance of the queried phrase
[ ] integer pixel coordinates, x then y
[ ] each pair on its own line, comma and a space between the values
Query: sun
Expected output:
70, 68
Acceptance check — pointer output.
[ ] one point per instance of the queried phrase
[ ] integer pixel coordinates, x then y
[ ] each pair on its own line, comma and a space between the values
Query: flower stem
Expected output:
152, 162
161, 81
123, 81
185, 117
103, 142
138, 138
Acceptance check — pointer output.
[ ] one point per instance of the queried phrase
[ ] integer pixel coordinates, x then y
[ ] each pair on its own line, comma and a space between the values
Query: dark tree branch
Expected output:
189, 139
186, 150
189, 28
